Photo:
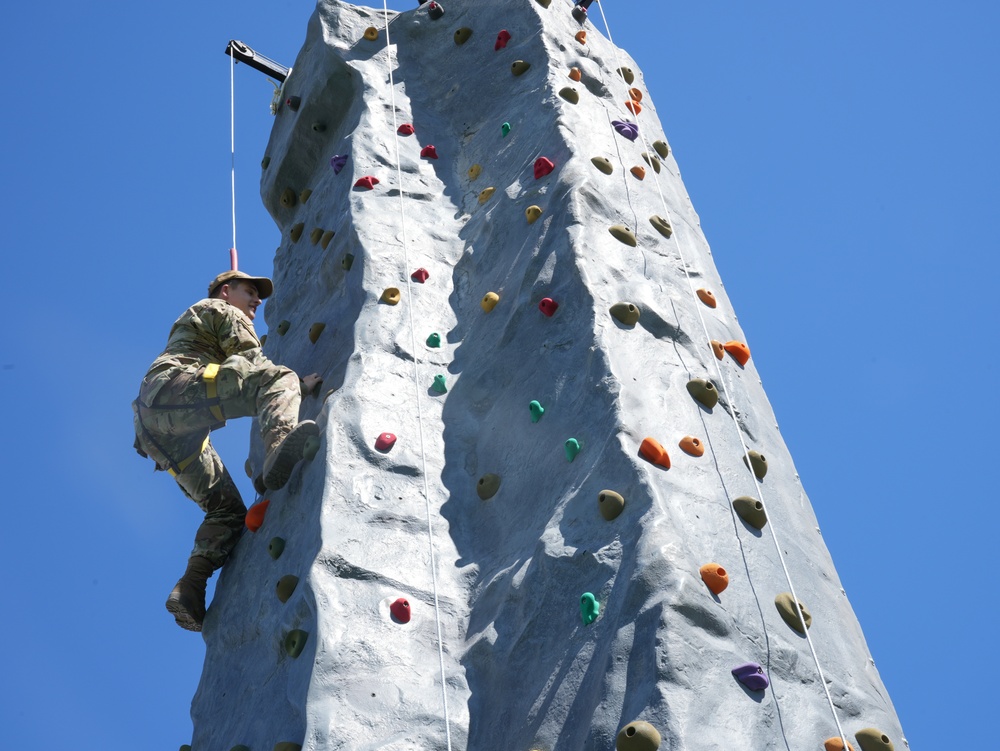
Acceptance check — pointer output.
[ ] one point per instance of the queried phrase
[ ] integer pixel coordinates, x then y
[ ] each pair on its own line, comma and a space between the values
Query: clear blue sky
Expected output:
843, 160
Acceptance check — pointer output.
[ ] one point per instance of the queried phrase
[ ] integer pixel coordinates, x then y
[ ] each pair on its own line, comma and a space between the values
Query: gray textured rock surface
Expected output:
364, 527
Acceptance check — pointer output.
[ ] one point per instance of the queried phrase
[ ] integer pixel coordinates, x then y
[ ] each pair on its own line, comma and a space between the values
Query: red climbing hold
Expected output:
400, 610
255, 516
385, 441
368, 182
405, 129
543, 166
429, 152
420, 275
548, 306
502, 38
739, 351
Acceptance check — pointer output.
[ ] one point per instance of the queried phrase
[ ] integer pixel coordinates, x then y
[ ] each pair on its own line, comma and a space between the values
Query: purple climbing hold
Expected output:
338, 163
627, 129
752, 676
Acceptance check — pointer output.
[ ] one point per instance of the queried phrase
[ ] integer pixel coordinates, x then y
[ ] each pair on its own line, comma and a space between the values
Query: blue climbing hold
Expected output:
537, 410
572, 448
338, 163
627, 129
590, 608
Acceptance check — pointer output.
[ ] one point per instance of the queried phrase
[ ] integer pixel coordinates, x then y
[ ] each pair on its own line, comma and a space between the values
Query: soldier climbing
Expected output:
213, 370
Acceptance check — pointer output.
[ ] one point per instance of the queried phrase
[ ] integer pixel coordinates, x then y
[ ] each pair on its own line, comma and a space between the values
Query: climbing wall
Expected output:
551, 508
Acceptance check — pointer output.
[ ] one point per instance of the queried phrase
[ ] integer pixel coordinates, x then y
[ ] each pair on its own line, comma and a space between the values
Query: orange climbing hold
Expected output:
574, 74
715, 577
635, 95
718, 349
638, 171
706, 297
368, 182
581, 36
633, 106
836, 744
739, 351
693, 446
255, 516
654, 452
429, 152
406, 129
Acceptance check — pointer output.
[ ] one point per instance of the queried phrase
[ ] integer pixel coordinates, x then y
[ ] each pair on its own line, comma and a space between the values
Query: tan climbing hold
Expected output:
661, 148
639, 172
623, 234
603, 164
626, 313
574, 73
661, 225
610, 503
488, 486
315, 330
706, 297
485, 193
652, 161
627, 74
475, 171
326, 238
287, 746
751, 511
390, 296
532, 213
288, 198
756, 463
544, 3
283, 328
785, 604
315, 235
286, 586
489, 301
304, 195
581, 36
518, 67
873, 739
836, 744
570, 94
693, 446
371, 34
638, 736
463, 35
296, 232
704, 392
635, 94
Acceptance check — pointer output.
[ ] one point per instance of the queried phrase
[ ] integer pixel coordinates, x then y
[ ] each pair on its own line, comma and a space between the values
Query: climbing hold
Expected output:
623, 234
435, 11
504, 130
263, 339
324, 241
691, 445
532, 213
385, 441
295, 642
462, 35
347, 261
310, 448
406, 129
751, 511
474, 171
635, 95
536, 409
572, 448
275, 547
871, 739
704, 392
638, 736
488, 486
603, 164
240, 747
429, 152
544, 3
570, 94
715, 577
390, 296
627, 74
319, 127
371, 34
633, 106
610, 503
288, 198
519, 67
751, 675
706, 297
626, 313
652, 451
248, 468
590, 608
652, 161
420, 275
286, 585
367, 182
548, 306
439, 384
574, 74
579, 13
757, 462
639, 171
661, 148
717, 349
338, 162
489, 301
287, 746
785, 604
485, 193
835, 744
315, 330
265, 162
315, 235
304, 195
283, 328
400, 610
581, 36
502, 38
661, 225
434, 340
255, 515
625, 128
293, 103
543, 166
739, 351
296, 232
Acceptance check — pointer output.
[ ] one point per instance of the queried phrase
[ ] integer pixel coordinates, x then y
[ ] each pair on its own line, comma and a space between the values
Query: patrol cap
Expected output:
264, 285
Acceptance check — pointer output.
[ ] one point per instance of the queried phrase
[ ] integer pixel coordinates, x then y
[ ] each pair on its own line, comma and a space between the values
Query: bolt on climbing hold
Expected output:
579, 13
590, 608
785, 604
295, 642
704, 392
406, 129
439, 384
715, 577
572, 447
706, 297
543, 166
435, 11
627, 74
390, 296
293, 103
536, 409
633, 106
287, 746
623, 234
265, 162
717, 349
575, 74
485, 193
739, 351
504, 130
315, 235
502, 38
872, 739
635, 95
836, 743
434, 340
570, 94
310, 448
751, 511
367, 182
474, 171
751, 675
304, 195
337, 162
371, 34
324, 241
462, 35
638, 171
757, 463
248, 468
661, 148
319, 127
532, 213
385, 441
400, 610
544, 3
420, 275
610, 503
603, 164
691, 445
626, 313
347, 261
315, 330
275, 548
638, 736
652, 451
581, 36
283, 328
263, 339
489, 301
429, 152
652, 161
255, 515
519, 67
286, 586
296, 231
488, 486
288, 198
661, 225
548, 306
626, 129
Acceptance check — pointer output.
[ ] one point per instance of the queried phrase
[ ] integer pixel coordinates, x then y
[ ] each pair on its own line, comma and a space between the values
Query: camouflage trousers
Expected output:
174, 432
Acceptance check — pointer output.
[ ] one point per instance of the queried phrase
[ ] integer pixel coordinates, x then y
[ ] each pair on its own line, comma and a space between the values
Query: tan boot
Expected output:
187, 600
286, 453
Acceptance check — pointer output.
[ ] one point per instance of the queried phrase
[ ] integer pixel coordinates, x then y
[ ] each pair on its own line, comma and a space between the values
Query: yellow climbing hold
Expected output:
462, 35
485, 193
296, 232
872, 739
489, 301
288, 198
315, 330
532, 213
603, 164
757, 463
488, 486
574, 73
626, 313
661, 225
371, 34
661, 148
474, 171
638, 171
570, 94
390, 296
785, 604
610, 503
652, 161
326, 238
315, 235
627, 74
623, 234
638, 736
751, 511
304, 195
518, 67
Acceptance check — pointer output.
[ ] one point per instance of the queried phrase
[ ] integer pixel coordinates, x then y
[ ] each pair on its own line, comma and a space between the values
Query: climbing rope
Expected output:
233, 261
416, 383
732, 412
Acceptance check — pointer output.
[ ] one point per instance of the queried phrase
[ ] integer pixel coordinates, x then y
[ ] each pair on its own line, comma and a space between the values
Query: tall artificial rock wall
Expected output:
496, 653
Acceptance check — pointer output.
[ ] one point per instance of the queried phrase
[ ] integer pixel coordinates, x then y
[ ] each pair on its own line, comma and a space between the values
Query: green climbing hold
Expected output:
785, 604
626, 313
310, 448
704, 392
757, 463
434, 340
295, 642
661, 225
275, 548
265, 162
603, 164
873, 739
286, 585
623, 234
488, 486
326, 238
462, 35
347, 261
570, 94
283, 328
296, 232
439, 384
751, 511
519, 67
610, 503
288, 198
590, 608
315, 235
627, 74
572, 448
652, 161
661, 148
638, 736
536, 409
504, 129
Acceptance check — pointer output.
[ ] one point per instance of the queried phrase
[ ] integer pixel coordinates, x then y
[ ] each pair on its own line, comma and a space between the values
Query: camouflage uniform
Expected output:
175, 412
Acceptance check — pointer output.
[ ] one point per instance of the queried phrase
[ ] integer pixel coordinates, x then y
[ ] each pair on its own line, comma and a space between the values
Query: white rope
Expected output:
416, 385
232, 141
732, 411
